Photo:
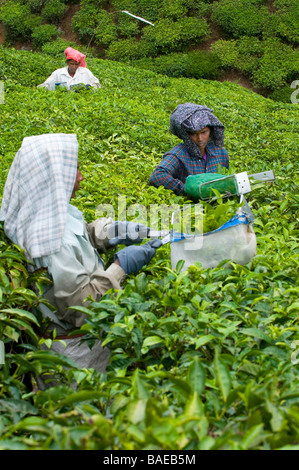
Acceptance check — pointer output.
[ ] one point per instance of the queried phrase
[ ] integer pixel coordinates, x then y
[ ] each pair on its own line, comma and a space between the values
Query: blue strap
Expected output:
237, 219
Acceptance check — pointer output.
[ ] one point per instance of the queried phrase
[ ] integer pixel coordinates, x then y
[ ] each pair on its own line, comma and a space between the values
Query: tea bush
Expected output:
18, 20
174, 10
106, 30
43, 34
56, 48
36, 6
36, 66
195, 64
278, 65
85, 20
148, 9
282, 94
169, 35
270, 64
201, 359
181, 26
287, 14
53, 11
240, 18
126, 28
129, 49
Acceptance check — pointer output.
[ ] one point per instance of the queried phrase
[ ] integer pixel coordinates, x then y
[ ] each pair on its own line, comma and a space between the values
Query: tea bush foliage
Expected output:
194, 64
19, 22
200, 359
270, 64
223, 28
53, 11
43, 34
241, 18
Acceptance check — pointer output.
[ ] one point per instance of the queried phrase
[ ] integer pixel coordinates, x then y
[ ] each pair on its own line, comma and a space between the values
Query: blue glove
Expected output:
126, 233
133, 258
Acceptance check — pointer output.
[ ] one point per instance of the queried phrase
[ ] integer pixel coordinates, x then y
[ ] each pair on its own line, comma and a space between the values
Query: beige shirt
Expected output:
77, 271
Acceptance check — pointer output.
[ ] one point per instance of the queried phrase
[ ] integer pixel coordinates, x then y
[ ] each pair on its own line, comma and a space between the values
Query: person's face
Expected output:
201, 138
72, 66
79, 178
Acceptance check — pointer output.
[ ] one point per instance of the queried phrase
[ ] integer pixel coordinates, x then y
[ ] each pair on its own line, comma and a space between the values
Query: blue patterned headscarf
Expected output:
190, 117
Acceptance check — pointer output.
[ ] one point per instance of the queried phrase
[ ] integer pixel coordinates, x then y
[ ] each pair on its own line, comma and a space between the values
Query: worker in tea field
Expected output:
201, 151
38, 217
75, 73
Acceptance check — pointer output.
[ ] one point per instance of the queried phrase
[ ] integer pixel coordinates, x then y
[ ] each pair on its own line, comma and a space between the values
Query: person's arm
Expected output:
226, 158
98, 233
52, 79
73, 283
165, 174
105, 233
219, 155
93, 81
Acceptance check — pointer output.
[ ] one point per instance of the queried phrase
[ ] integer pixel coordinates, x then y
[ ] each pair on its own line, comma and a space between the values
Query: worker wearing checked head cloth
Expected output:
75, 73
201, 151
38, 217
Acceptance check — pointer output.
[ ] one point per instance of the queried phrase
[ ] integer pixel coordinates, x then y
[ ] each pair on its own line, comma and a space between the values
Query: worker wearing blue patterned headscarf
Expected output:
201, 151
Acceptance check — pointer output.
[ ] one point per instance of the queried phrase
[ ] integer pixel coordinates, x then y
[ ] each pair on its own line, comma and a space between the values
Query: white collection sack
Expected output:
235, 241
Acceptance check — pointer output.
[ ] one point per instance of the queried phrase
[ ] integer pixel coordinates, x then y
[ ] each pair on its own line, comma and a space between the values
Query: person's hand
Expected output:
126, 233
133, 258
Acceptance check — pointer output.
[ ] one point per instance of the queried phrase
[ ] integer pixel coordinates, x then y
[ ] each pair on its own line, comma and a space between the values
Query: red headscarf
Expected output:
71, 53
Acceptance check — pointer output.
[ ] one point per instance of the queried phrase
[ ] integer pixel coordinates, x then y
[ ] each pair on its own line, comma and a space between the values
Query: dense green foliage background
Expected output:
203, 359
196, 39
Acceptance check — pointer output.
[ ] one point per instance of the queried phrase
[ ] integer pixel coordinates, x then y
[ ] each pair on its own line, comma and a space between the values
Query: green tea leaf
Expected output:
222, 377
203, 340
196, 376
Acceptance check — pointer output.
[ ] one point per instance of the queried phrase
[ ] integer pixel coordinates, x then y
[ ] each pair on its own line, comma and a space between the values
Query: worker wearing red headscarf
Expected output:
73, 54
75, 73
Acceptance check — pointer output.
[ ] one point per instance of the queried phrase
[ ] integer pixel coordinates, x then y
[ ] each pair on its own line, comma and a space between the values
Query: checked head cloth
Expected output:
37, 191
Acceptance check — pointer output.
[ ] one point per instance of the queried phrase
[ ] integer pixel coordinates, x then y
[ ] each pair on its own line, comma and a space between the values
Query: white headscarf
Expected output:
37, 191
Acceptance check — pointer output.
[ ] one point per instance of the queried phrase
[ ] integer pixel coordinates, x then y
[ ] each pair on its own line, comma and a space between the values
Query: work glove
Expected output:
133, 258
126, 233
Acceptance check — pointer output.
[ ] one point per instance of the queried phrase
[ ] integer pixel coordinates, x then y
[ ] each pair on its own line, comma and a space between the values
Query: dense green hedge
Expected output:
170, 36
86, 20
129, 49
287, 25
54, 11
56, 48
194, 64
18, 20
241, 17
106, 31
43, 34
259, 39
270, 64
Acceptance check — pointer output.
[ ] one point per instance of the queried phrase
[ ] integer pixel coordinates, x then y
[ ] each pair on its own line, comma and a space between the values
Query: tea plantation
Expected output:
207, 39
201, 359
